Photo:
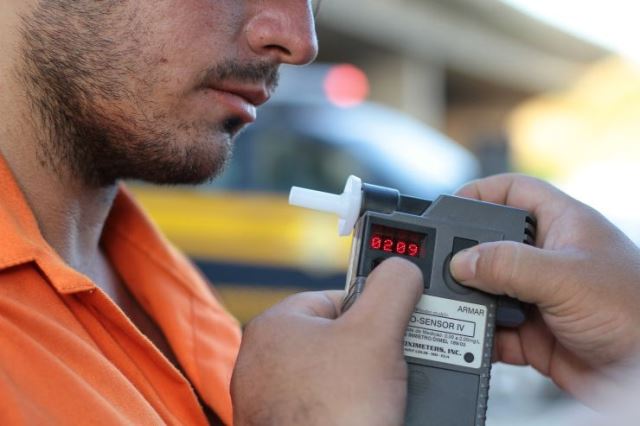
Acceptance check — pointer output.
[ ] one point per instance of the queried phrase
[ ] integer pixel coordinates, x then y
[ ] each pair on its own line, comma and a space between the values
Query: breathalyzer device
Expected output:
449, 340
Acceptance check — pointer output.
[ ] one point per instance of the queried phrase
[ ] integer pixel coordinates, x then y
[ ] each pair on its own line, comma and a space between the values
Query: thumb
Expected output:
390, 295
527, 273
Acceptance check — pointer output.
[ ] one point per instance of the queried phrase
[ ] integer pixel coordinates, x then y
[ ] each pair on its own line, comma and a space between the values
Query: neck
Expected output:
71, 215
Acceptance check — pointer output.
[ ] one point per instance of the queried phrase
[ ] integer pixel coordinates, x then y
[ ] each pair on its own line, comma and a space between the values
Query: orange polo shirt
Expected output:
68, 354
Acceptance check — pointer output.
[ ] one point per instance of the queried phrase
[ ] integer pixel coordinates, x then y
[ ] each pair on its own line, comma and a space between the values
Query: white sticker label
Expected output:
447, 331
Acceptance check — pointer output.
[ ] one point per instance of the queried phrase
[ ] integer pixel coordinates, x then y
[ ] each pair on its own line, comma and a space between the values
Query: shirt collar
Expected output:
127, 232
22, 242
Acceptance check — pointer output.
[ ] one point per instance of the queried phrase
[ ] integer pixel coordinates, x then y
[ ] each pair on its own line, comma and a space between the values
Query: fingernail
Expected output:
463, 265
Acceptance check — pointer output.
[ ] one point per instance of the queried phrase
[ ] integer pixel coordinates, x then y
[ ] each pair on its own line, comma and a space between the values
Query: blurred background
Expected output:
421, 95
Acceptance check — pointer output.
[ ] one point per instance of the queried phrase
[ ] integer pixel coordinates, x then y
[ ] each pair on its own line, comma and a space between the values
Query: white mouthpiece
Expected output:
346, 206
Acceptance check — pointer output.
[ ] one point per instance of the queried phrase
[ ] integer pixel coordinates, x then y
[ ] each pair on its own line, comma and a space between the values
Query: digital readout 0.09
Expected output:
396, 241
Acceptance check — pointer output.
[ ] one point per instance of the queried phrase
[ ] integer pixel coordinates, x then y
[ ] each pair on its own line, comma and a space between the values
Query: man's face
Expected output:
153, 89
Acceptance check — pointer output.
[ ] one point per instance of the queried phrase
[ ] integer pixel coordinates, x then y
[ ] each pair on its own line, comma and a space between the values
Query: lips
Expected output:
255, 95
240, 100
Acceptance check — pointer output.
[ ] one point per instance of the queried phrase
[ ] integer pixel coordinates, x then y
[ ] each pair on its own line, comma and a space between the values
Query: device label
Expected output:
447, 331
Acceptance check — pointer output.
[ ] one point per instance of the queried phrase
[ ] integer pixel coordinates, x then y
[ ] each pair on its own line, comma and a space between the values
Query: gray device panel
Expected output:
443, 392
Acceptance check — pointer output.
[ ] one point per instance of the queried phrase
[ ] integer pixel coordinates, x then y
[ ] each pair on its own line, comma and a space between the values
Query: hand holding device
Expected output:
302, 364
584, 279
449, 340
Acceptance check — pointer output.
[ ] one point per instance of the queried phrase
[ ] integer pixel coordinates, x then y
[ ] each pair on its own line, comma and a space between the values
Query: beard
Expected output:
93, 95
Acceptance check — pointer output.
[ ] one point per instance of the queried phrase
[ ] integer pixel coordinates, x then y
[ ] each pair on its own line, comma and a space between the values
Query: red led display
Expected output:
396, 241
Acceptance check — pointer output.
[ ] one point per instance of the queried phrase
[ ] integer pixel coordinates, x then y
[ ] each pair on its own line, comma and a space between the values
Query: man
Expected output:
101, 322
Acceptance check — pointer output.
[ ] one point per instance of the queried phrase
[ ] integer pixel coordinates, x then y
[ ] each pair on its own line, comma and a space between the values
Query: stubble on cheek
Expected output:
68, 69
95, 89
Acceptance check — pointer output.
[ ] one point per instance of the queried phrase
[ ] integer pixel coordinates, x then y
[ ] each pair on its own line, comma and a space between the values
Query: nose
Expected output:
283, 31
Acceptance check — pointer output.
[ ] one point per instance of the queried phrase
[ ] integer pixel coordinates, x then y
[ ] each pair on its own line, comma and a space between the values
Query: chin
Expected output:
192, 170
180, 174
193, 156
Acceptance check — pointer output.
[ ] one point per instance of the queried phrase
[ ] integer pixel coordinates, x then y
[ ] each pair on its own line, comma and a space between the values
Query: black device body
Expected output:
448, 344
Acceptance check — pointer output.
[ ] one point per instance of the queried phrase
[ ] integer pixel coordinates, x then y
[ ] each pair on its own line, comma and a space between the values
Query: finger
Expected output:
508, 347
530, 344
523, 192
390, 295
321, 304
524, 272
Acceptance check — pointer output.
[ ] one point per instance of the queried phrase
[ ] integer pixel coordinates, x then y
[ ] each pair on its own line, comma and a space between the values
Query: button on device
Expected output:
459, 244
510, 313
